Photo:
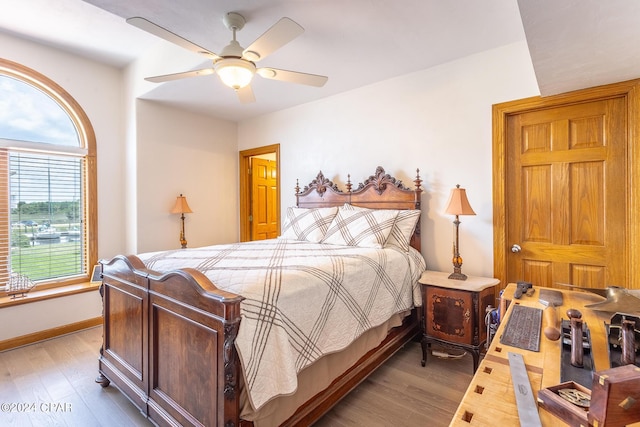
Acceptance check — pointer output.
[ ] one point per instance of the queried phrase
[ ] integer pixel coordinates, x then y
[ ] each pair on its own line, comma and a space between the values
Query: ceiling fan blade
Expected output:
293, 77
163, 33
281, 33
245, 95
182, 75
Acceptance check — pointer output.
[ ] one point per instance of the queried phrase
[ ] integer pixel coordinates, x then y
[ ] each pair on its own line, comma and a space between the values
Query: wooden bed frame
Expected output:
169, 338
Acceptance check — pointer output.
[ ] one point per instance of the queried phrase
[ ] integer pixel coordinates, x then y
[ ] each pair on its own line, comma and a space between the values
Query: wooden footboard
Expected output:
169, 344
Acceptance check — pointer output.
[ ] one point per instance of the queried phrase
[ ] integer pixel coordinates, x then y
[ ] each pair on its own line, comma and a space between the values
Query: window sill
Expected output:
50, 293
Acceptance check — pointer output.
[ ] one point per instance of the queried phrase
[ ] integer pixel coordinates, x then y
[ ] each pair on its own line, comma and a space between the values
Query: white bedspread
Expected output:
303, 300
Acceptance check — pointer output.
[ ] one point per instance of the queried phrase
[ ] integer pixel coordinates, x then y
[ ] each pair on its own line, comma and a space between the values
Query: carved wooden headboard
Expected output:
379, 191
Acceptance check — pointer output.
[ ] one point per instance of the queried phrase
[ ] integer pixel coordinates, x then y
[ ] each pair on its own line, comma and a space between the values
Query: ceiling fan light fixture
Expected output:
235, 72
236, 66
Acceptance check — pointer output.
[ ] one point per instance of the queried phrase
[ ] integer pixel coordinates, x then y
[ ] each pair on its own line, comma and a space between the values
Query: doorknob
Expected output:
515, 248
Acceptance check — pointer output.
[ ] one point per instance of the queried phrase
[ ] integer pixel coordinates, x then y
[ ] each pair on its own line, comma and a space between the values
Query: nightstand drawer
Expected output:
457, 316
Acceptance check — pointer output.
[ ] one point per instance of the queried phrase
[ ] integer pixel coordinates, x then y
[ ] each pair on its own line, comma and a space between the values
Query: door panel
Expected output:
565, 193
264, 211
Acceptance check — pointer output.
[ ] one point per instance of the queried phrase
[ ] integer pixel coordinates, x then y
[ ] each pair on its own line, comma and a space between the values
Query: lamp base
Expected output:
458, 276
183, 240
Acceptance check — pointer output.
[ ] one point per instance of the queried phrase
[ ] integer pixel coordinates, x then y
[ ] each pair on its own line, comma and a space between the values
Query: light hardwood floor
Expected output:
51, 383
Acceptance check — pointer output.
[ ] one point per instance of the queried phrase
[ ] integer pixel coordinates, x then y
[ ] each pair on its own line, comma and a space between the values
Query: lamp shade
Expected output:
458, 203
235, 72
181, 206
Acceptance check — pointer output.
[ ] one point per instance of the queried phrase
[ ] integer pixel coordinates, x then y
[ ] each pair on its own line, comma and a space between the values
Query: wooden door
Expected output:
562, 184
245, 157
264, 200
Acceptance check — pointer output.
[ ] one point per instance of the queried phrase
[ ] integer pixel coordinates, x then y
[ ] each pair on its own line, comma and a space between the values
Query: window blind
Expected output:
46, 238
5, 223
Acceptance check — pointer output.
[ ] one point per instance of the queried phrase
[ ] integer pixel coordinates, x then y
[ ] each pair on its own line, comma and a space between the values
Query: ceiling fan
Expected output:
235, 65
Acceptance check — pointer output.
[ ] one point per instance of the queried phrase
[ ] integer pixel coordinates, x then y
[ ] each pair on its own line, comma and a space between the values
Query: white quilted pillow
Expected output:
307, 224
364, 228
403, 228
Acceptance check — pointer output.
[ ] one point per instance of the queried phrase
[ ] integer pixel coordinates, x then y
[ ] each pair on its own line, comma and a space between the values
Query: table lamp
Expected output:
458, 205
182, 207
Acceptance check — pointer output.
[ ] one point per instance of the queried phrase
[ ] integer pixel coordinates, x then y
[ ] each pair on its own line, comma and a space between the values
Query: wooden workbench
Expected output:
490, 400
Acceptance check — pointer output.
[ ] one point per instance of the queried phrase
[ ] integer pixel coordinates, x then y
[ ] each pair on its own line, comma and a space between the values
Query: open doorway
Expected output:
260, 193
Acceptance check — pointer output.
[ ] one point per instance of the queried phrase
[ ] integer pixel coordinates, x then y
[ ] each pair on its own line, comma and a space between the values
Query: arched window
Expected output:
48, 221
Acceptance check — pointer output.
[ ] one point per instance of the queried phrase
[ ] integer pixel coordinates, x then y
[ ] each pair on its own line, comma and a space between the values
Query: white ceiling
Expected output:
573, 43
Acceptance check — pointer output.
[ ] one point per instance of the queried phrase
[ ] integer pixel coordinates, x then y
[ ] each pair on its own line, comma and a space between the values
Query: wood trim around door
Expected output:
245, 183
501, 112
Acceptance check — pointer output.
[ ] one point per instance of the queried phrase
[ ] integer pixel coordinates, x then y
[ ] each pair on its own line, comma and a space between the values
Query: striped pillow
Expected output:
307, 224
364, 228
402, 230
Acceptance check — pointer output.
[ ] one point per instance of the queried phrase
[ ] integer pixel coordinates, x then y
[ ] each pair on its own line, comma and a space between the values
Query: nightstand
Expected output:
454, 312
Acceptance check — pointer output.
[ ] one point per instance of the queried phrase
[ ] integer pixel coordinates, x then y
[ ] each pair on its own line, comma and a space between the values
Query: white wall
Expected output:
438, 120
182, 152
163, 54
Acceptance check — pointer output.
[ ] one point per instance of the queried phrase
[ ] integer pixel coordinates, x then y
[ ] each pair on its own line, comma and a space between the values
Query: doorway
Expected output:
260, 193
562, 194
